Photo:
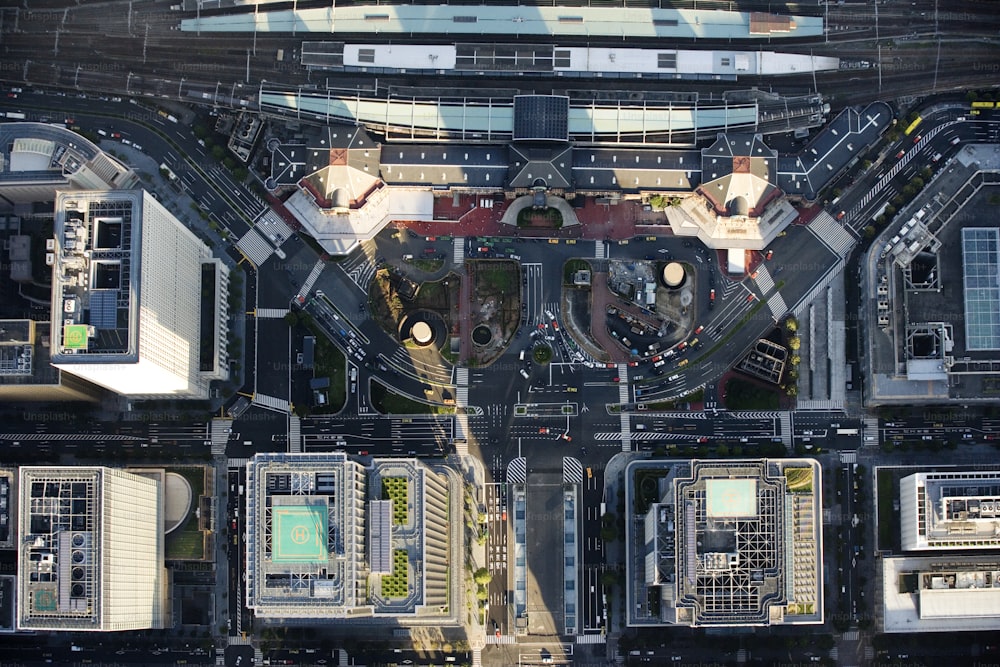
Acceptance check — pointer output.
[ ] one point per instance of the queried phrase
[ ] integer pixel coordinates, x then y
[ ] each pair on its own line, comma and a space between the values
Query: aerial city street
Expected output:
604, 332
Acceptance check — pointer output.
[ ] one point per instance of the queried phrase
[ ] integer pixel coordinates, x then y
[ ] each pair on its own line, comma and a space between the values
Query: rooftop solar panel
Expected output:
104, 308
981, 269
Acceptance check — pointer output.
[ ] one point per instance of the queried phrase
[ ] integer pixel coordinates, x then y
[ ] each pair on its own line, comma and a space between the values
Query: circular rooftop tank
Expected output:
422, 333
673, 275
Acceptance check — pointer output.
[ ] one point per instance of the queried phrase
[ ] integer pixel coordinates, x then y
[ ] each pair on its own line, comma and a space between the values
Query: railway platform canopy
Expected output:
492, 119
631, 22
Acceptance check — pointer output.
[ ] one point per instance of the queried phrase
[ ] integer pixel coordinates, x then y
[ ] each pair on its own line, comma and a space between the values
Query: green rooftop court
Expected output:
397, 584
397, 489
299, 534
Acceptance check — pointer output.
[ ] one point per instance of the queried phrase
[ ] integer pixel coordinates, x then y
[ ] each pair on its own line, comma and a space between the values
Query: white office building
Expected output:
127, 297
950, 510
90, 550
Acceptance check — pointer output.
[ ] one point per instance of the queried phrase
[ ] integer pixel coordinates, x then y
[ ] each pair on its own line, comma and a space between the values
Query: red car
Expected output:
750, 297
900, 154
917, 138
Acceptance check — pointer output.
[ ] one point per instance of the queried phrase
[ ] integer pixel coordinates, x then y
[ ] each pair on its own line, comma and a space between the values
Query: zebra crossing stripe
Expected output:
517, 471
458, 256
600, 250
572, 470
255, 247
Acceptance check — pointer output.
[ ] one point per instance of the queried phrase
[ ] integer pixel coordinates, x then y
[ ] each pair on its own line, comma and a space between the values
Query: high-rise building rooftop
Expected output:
127, 286
90, 550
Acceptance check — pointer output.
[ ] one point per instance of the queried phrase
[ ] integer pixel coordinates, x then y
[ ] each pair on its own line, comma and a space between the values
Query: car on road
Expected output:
900, 154
699, 330
916, 139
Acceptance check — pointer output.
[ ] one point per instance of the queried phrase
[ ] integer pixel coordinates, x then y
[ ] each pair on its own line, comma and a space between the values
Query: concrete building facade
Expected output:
90, 550
126, 294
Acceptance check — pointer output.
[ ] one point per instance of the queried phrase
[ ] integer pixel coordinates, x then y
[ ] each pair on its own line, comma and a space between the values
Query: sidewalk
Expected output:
463, 216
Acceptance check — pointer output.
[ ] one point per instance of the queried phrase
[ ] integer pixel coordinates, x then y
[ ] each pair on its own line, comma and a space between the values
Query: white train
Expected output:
530, 59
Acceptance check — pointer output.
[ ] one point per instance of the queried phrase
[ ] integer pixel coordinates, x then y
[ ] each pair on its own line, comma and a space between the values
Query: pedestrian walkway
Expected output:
271, 313
458, 257
502, 639
623, 387
255, 247
765, 283
600, 250
871, 429
461, 428
219, 434
832, 234
591, 639
848, 456
313, 277
271, 225
294, 434
274, 402
626, 432
785, 423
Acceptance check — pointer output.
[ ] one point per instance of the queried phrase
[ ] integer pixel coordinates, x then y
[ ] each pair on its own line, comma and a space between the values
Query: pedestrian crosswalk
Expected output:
477, 657
491, 638
271, 402
271, 313
572, 470
294, 434
360, 266
785, 423
851, 636
832, 234
313, 277
219, 433
600, 250
623, 385
775, 302
461, 438
459, 253
271, 225
255, 247
848, 456
871, 429
626, 433
591, 639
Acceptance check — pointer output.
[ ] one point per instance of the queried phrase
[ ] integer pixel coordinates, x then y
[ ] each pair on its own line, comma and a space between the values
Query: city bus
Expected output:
912, 126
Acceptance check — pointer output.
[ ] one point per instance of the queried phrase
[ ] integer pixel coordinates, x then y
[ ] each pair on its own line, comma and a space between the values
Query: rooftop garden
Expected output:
397, 584
799, 480
397, 489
